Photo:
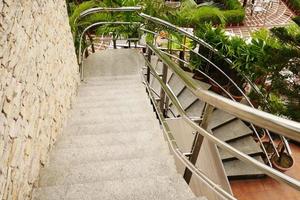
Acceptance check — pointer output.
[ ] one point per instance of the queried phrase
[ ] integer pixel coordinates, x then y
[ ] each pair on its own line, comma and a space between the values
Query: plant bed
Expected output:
282, 163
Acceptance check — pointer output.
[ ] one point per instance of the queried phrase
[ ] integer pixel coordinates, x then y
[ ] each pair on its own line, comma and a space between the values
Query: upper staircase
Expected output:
113, 146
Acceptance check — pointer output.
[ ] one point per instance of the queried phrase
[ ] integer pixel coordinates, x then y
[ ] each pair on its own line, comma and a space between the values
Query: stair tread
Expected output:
72, 156
104, 101
246, 145
176, 84
195, 109
155, 85
237, 168
111, 127
218, 118
186, 98
232, 130
107, 170
200, 84
114, 110
118, 138
122, 117
156, 188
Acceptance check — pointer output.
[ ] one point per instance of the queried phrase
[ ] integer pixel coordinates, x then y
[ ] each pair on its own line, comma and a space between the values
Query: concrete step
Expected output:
108, 127
111, 78
176, 84
105, 101
110, 90
107, 170
246, 145
154, 84
233, 130
113, 84
73, 156
118, 138
201, 84
130, 97
154, 188
114, 109
219, 118
138, 118
186, 98
195, 109
236, 169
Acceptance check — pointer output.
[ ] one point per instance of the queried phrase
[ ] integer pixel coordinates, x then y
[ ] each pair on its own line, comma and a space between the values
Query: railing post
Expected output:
114, 41
162, 92
182, 53
198, 141
149, 52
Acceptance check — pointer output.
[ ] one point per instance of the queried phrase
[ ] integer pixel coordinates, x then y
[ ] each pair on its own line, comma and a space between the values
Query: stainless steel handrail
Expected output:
285, 127
225, 104
104, 9
172, 142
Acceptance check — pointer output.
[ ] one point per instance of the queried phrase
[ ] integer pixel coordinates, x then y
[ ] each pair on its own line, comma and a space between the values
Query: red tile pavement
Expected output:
268, 188
278, 14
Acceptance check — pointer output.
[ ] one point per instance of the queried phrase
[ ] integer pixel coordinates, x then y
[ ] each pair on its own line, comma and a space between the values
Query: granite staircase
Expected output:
225, 126
113, 146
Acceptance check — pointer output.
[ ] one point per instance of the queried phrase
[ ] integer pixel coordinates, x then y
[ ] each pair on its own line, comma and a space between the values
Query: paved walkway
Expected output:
278, 14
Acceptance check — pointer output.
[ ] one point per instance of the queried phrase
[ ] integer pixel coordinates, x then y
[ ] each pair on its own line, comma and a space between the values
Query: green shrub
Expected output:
207, 14
295, 4
191, 15
231, 4
297, 20
234, 16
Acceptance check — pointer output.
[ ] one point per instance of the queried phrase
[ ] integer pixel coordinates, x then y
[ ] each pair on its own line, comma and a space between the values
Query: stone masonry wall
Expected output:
38, 80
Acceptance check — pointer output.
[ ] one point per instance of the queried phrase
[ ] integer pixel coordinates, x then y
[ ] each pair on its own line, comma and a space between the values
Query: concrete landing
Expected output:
113, 62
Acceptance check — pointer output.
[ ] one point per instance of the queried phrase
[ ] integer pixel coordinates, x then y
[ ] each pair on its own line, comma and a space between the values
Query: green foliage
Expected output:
295, 4
234, 16
193, 16
297, 20
231, 4
276, 105
262, 59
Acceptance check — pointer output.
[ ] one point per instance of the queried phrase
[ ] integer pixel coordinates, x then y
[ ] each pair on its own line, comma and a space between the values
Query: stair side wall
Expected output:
38, 81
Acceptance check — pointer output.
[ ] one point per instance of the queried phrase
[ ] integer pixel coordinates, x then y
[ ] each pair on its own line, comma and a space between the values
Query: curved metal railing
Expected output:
276, 124
80, 53
208, 46
223, 90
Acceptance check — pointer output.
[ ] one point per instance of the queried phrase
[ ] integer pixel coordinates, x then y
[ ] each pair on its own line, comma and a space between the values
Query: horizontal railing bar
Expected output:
240, 155
285, 127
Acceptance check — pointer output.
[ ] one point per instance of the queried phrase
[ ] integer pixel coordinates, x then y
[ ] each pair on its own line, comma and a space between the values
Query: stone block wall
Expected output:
38, 80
